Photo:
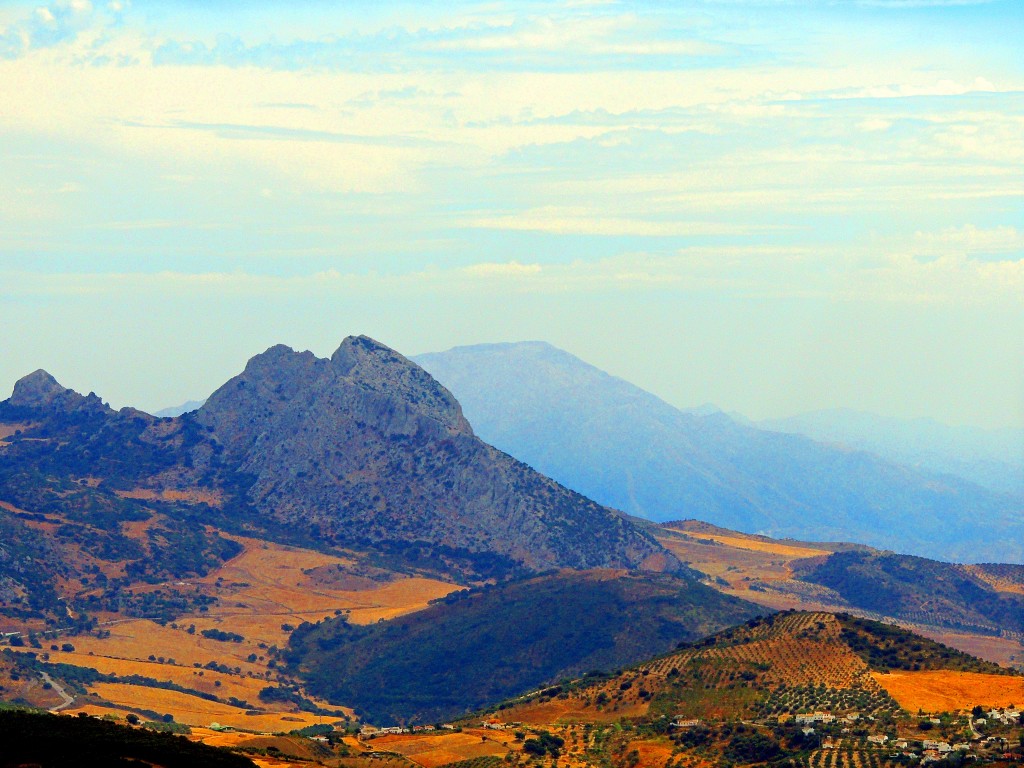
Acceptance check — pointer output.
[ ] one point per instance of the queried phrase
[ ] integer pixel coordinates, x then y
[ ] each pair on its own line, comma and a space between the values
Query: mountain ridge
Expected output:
627, 448
363, 447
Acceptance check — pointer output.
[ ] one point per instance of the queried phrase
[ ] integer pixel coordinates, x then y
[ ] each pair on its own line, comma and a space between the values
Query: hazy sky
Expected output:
775, 206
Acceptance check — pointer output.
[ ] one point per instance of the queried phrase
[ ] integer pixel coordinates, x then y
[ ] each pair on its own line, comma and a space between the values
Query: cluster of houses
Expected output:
1009, 716
927, 750
371, 730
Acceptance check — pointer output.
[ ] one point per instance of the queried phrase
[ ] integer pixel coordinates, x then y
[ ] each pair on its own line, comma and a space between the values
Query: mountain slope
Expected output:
977, 608
628, 449
993, 458
364, 449
366, 446
784, 663
922, 590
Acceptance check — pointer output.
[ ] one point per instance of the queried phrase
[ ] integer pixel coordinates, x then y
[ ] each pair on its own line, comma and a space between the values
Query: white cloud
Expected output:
970, 239
874, 124
573, 221
506, 269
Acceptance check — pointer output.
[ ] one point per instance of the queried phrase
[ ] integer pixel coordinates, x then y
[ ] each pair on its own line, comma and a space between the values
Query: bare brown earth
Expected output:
189, 496
1002, 650
6, 430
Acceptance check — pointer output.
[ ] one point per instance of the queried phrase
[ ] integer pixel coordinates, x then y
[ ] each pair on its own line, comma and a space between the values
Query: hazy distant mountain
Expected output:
177, 410
628, 449
993, 458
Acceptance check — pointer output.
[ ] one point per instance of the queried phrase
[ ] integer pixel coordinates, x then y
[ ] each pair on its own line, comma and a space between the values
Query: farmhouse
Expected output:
815, 717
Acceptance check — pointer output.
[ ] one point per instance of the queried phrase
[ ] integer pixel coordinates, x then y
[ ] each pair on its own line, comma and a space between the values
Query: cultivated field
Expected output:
269, 585
1001, 650
572, 710
191, 710
757, 545
261, 595
204, 680
945, 691
139, 639
434, 750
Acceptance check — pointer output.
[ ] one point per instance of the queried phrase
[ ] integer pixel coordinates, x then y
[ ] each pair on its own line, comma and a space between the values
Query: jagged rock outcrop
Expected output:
39, 390
368, 447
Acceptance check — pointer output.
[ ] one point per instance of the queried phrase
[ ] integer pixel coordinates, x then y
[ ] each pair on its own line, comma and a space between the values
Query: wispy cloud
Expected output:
284, 133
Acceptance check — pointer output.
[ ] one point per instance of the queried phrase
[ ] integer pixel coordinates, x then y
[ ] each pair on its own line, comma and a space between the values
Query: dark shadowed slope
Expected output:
476, 648
628, 449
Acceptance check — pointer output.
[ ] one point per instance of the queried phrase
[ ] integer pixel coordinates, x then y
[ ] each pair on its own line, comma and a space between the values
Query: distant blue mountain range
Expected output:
627, 448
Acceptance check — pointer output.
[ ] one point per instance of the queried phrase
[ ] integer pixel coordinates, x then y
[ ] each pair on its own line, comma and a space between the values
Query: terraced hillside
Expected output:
781, 665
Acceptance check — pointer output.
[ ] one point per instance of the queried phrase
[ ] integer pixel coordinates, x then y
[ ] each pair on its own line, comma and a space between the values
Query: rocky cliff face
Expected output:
369, 448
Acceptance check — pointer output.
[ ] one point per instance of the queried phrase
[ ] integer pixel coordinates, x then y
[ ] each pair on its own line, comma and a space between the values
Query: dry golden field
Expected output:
741, 561
571, 710
997, 583
204, 680
189, 496
140, 638
288, 746
653, 754
757, 545
264, 588
191, 710
6, 430
946, 691
269, 585
434, 750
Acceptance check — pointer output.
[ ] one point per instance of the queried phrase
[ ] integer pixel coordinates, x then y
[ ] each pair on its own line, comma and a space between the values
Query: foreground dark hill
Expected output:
476, 648
52, 741
628, 449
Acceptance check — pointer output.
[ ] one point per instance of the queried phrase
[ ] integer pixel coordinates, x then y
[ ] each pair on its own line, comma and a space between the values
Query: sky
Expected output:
774, 206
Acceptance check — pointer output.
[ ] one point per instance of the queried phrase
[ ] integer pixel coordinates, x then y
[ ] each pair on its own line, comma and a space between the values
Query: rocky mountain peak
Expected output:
376, 367
40, 390
368, 445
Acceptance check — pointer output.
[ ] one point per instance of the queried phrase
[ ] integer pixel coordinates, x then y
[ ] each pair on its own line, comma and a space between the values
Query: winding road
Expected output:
68, 700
